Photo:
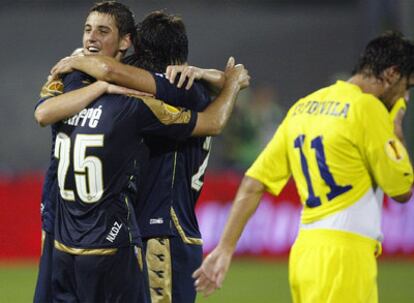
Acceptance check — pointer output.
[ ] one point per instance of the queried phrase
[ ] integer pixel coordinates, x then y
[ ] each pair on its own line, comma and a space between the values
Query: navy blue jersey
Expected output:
175, 171
97, 151
49, 189
49, 195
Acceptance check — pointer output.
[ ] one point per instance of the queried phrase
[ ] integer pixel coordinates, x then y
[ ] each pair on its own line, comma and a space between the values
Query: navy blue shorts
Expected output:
171, 262
43, 291
118, 277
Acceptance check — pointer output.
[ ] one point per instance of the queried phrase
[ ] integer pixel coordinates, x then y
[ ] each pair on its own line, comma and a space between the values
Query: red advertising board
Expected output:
273, 228
270, 232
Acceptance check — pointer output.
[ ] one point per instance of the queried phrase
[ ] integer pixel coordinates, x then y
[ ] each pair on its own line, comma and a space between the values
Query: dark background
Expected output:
291, 47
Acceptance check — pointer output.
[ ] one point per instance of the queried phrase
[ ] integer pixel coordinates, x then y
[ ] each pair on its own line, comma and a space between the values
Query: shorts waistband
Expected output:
85, 251
337, 237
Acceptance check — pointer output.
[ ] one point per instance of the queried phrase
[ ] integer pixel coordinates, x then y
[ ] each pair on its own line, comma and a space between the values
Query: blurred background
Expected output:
291, 47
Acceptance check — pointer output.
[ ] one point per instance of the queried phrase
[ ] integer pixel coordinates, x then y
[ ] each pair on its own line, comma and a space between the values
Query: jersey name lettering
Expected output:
328, 108
87, 117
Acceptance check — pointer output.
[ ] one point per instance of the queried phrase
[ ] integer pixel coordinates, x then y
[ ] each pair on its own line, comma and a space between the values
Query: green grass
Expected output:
253, 281
248, 281
17, 282
396, 282
266, 282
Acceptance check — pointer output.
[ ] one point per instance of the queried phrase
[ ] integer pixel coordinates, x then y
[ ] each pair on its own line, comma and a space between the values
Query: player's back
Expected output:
104, 140
93, 209
175, 171
335, 140
193, 156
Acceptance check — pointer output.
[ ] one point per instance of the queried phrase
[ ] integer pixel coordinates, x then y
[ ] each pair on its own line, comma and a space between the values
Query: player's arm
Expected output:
269, 172
386, 156
213, 77
397, 116
108, 69
403, 198
74, 97
214, 268
68, 104
212, 120
158, 118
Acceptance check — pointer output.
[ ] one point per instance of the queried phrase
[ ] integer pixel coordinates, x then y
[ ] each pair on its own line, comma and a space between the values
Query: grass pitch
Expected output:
249, 280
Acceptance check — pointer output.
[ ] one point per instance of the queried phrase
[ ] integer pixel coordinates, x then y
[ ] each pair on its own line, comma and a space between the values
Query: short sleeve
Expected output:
272, 166
56, 87
387, 158
51, 88
196, 98
155, 117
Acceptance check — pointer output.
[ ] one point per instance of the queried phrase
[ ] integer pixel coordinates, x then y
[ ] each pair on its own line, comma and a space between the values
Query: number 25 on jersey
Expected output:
87, 170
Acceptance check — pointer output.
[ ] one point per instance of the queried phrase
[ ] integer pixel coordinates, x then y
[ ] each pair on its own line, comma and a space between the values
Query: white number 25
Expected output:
88, 170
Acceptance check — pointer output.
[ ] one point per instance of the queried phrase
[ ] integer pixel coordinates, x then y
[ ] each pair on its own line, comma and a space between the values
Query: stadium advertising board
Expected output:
269, 233
274, 226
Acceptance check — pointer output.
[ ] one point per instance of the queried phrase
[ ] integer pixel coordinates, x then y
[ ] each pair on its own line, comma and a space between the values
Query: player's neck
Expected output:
368, 84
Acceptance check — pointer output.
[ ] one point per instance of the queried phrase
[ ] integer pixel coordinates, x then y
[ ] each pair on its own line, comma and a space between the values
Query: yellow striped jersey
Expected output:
337, 143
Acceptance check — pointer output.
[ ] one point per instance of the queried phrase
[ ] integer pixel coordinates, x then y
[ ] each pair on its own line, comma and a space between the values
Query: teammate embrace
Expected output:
124, 174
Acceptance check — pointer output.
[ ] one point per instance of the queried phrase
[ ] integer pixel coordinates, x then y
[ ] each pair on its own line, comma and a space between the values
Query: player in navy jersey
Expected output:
125, 26
43, 117
176, 169
94, 215
97, 150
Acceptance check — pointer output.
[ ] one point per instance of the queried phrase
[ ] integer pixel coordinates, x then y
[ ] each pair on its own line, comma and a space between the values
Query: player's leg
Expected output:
333, 266
186, 258
112, 278
158, 256
171, 263
63, 277
43, 291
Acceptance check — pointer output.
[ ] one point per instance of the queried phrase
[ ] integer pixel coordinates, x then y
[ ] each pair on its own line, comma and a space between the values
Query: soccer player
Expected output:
338, 144
222, 104
95, 224
125, 26
175, 170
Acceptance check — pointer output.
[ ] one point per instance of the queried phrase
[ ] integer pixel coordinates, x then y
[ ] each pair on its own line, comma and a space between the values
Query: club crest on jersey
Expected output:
87, 117
52, 88
394, 150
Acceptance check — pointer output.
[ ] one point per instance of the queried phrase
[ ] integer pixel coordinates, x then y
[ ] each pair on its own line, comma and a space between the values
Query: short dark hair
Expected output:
161, 41
123, 16
389, 49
